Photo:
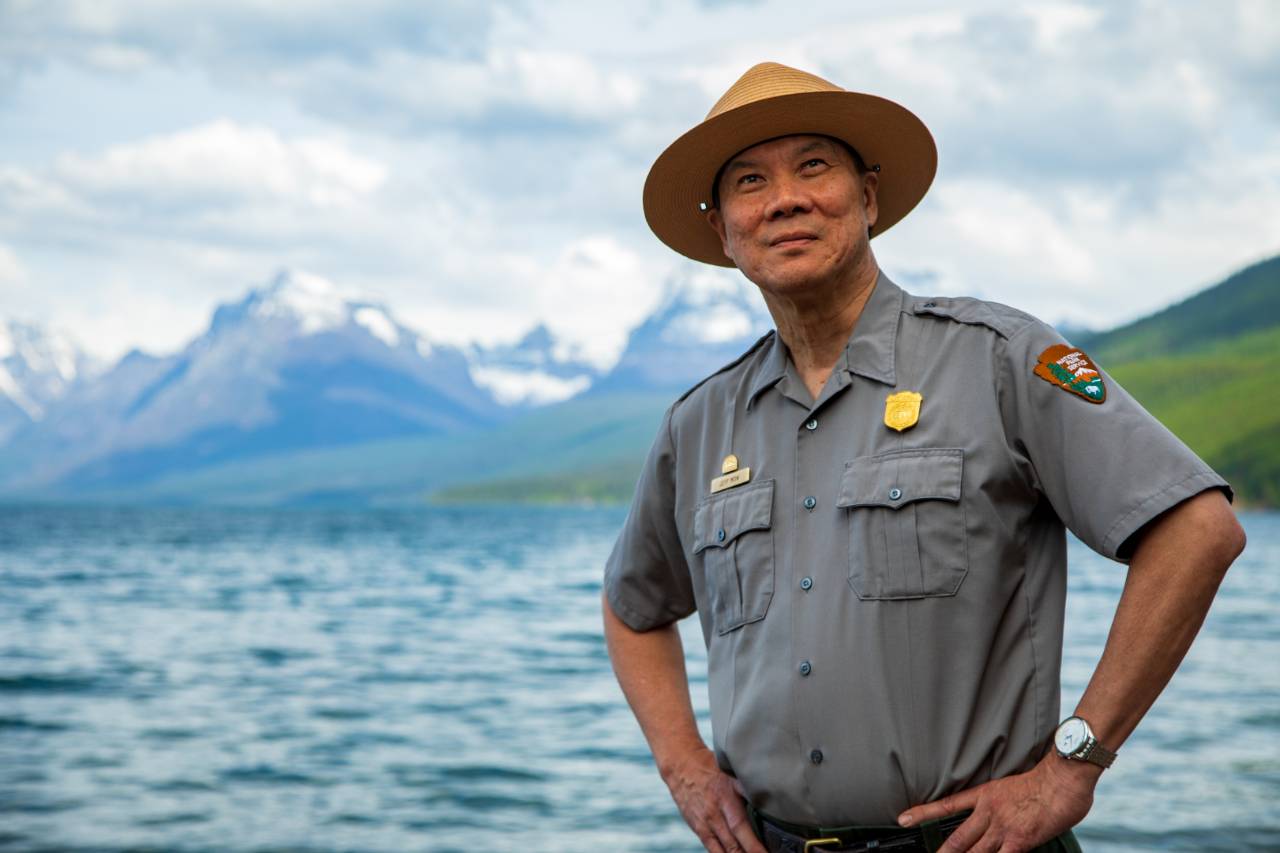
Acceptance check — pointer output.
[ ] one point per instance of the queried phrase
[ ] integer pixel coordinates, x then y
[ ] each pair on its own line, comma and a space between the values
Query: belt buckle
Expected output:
813, 843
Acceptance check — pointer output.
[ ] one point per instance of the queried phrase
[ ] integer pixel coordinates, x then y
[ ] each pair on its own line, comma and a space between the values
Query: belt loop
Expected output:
931, 835
757, 826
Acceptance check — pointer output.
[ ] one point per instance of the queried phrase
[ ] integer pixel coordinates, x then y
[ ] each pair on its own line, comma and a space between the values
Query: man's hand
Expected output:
713, 804
1016, 813
650, 669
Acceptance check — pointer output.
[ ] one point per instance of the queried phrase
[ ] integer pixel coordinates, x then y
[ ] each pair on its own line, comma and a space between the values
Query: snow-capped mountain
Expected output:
292, 365
36, 368
706, 319
295, 365
537, 370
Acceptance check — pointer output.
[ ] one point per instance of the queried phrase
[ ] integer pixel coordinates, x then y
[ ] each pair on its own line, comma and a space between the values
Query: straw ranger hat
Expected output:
769, 101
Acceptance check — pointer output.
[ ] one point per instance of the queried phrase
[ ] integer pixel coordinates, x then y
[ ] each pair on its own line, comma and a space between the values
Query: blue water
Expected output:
436, 680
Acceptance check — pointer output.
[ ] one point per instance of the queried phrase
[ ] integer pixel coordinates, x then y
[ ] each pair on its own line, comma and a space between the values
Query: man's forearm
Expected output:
651, 670
1173, 576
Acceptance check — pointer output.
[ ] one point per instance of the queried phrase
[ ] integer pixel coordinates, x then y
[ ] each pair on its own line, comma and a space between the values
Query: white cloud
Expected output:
12, 274
591, 293
1090, 256
224, 161
478, 166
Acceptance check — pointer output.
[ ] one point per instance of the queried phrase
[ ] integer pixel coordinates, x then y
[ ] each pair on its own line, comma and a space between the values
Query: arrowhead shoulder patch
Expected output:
1071, 370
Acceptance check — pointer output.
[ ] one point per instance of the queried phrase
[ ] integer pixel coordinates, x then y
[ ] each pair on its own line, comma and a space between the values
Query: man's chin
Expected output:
791, 282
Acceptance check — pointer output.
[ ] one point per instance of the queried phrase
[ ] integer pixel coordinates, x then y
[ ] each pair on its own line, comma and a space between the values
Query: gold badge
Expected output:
728, 481
902, 410
729, 465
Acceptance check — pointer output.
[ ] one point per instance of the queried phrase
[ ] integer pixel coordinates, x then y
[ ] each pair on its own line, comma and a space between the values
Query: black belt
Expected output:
779, 836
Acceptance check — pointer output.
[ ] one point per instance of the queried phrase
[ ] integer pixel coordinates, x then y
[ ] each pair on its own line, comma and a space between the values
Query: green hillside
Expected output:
1203, 367
1244, 303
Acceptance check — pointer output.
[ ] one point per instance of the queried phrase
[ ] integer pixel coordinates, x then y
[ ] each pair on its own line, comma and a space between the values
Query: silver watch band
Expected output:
1096, 753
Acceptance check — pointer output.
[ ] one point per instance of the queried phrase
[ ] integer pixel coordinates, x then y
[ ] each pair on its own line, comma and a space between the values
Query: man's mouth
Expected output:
789, 239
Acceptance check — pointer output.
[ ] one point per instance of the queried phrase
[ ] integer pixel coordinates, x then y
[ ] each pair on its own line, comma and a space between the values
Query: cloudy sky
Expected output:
478, 166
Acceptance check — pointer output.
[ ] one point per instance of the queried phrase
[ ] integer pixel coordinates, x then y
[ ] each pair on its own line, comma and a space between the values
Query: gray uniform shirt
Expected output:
883, 610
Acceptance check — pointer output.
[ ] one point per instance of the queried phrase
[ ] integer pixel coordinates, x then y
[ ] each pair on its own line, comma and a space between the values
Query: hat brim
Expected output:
882, 132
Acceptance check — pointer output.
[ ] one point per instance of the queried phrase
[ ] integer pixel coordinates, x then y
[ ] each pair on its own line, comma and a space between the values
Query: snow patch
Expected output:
378, 324
11, 389
716, 324
515, 387
311, 301
708, 287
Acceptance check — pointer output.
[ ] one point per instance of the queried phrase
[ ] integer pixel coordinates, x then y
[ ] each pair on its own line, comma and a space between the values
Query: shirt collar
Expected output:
874, 339
869, 351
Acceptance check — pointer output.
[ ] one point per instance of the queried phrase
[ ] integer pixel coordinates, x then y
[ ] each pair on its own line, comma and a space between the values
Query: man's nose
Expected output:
787, 198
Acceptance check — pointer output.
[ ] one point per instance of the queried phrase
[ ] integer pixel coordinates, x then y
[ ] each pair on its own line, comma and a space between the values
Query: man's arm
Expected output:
651, 670
1175, 572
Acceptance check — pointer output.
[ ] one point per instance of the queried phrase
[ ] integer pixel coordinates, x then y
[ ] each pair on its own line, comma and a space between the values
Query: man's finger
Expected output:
735, 817
709, 840
967, 835
939, 808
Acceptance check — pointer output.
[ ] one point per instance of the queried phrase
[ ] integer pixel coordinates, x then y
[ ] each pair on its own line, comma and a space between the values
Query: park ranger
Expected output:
867, 512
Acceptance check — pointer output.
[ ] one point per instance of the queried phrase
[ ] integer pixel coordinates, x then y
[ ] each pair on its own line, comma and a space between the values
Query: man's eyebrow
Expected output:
807, 148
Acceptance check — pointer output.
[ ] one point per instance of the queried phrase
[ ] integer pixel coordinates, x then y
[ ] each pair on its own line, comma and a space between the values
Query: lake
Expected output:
252, 680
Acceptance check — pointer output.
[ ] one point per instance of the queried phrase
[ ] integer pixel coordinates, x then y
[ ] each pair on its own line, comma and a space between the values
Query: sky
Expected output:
478, 167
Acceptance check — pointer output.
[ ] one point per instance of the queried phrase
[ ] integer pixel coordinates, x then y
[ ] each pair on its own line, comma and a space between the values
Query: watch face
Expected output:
1070, 736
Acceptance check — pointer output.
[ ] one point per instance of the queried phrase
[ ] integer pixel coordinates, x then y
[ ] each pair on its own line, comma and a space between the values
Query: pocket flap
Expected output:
897, 478
720, 519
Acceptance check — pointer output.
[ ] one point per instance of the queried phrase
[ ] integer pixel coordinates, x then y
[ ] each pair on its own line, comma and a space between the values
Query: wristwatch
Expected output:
1075, 740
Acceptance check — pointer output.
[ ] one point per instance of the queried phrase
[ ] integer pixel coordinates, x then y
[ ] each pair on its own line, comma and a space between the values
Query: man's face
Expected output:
794, 213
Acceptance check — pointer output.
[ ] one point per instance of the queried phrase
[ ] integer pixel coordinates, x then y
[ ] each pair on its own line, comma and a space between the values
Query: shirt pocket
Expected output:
907, 534
733, 533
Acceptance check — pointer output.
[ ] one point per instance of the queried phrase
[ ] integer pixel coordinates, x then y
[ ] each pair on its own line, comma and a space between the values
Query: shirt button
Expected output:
816, 756
806, 583
811, 424
894, 494
810, 502
805, 667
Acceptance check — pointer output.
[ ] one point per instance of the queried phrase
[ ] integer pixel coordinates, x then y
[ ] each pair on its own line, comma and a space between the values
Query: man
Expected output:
867, 512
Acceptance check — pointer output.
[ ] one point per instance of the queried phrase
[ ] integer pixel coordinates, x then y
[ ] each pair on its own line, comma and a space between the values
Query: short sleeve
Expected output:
1105, 464
646, 578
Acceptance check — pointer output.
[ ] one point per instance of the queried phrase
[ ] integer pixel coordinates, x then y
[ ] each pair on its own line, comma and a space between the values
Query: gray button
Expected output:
806, 583
816, 756
811, 424
720, 532
894, 494
805, 667
810, 502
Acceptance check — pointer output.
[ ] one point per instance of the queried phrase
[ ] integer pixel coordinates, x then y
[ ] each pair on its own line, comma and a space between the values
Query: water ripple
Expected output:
328, 680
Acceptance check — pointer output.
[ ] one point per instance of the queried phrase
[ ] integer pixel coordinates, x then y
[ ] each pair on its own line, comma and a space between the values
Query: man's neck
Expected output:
816, 327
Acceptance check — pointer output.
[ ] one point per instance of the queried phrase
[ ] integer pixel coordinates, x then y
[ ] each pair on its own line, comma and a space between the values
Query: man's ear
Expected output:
716, 221
870, 202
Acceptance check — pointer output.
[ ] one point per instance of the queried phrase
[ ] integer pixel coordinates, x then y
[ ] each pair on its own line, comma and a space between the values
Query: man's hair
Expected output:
859, 165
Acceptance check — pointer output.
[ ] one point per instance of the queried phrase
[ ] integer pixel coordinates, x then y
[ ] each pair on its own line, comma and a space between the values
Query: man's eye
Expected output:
813, 163
749, 179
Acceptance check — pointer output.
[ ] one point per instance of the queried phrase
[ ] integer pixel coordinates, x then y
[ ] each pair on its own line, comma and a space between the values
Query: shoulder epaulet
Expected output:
1002, 319
750, 350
